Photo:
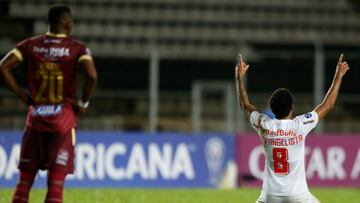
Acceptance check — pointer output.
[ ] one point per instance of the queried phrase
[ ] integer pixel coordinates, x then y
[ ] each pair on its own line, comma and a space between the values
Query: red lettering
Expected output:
280, 157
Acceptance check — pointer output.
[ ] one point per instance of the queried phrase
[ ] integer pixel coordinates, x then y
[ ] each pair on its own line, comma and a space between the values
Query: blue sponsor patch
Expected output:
308, 115
47, 110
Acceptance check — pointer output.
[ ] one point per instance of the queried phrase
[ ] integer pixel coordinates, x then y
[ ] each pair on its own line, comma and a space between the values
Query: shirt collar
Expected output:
56, 35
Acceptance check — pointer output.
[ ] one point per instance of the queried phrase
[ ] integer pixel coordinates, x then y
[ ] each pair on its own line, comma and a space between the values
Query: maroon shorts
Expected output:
52, 151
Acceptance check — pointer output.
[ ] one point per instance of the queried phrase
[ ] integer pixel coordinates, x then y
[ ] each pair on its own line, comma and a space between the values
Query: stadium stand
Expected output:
202, 30
218, 26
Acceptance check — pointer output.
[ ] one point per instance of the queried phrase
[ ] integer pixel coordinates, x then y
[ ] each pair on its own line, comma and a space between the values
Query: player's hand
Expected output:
78, 109
342, 67
27, 99
241, 68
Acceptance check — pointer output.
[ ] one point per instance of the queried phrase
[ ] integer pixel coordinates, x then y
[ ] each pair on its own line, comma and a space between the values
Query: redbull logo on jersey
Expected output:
47, 110
289, 133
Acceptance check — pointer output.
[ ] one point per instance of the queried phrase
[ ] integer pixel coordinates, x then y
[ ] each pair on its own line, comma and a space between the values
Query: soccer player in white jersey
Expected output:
283, 138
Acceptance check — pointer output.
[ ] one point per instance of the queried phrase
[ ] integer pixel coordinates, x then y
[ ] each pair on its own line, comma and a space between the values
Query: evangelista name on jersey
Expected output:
283, 142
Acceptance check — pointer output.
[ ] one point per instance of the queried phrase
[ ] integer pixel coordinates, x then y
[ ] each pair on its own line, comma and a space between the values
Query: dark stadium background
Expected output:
166, 69
198, 41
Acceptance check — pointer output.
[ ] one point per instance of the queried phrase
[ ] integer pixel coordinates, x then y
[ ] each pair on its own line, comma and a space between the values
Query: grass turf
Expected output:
242, 195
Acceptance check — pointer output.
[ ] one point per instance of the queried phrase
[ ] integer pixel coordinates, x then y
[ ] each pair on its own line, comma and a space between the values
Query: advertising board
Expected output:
330, 160
116, 159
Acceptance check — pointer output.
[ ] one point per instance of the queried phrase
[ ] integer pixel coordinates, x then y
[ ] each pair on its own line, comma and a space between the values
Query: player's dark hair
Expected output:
281, 102
55, 13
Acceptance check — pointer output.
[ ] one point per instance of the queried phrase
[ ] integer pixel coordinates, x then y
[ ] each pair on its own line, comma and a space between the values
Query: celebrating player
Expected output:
283, 138
51, 63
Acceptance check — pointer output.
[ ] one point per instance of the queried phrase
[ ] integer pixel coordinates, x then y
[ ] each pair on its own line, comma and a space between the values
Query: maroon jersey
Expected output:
51, 62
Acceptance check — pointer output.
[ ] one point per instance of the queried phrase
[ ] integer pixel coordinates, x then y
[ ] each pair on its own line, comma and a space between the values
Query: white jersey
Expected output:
284, 146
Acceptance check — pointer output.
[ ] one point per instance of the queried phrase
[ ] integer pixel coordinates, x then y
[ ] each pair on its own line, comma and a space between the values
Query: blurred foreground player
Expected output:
283, 138
51, 63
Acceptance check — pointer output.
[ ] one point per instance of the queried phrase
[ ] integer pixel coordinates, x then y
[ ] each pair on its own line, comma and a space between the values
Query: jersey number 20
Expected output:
51, 80
280, 157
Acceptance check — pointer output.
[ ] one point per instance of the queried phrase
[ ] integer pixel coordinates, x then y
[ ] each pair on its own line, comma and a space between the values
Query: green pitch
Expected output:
242, 195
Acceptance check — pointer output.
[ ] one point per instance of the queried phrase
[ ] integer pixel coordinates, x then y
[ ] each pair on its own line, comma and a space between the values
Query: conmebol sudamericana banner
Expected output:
115, 159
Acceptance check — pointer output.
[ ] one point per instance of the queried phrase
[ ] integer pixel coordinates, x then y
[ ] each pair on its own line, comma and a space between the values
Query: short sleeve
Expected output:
85, 54
307, 122
255, 120
20, 50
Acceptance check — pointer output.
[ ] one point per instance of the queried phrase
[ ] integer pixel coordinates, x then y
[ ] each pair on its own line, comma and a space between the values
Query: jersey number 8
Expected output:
280, 157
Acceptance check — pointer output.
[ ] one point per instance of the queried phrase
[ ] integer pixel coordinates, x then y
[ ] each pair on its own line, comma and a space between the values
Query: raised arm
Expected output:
9, 62
243, 98
329, 101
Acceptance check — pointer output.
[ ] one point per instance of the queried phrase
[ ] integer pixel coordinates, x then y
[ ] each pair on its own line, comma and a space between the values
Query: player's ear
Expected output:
68, 26
68, 23
292, 111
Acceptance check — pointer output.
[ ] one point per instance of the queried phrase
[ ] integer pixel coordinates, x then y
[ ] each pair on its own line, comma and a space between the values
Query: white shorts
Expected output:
301, 198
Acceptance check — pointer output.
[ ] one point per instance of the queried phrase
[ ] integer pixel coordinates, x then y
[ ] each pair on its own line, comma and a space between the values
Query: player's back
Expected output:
284, 146
51, 62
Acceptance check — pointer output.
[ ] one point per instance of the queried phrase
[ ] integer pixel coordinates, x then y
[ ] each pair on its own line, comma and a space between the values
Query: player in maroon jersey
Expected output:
51, 63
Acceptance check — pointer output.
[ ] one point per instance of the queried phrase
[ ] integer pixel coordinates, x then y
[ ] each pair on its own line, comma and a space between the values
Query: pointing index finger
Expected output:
340, 58
241, 59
